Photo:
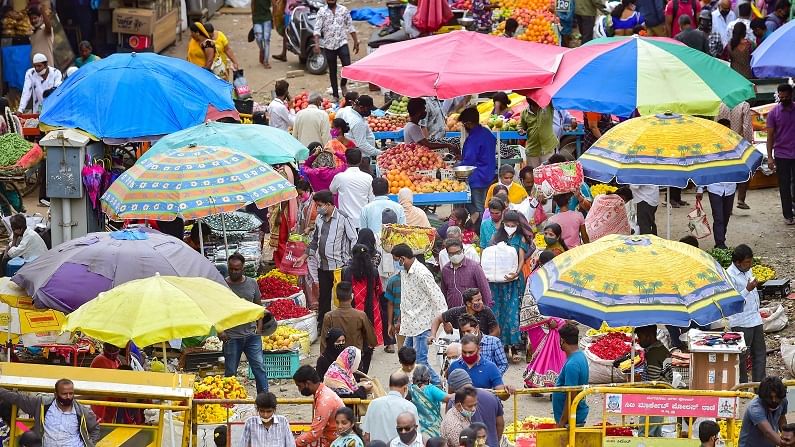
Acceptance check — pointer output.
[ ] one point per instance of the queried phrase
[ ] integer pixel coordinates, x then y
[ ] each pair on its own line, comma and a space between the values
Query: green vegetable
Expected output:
12, 148
724, 256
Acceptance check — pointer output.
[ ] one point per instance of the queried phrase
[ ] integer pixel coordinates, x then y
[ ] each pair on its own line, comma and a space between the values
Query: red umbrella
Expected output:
456, 64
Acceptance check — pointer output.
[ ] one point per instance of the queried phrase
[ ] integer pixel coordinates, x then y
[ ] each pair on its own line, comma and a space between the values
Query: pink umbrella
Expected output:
456, 64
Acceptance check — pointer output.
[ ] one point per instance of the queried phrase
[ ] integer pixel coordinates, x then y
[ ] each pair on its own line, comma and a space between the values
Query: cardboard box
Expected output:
715, 368
134, 21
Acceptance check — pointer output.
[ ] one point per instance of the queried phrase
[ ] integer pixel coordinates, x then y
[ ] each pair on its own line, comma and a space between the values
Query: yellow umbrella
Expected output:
13, 295
15, 321
161, 308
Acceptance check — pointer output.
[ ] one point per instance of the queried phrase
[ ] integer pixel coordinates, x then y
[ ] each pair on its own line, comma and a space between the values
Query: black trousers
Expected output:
755, 341
785, 167
344, 54
646, 222
585, 24
721, 212
325, 279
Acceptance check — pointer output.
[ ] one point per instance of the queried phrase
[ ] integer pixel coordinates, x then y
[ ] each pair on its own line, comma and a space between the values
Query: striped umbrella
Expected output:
194, 182
651, 75
635, 281
670, 150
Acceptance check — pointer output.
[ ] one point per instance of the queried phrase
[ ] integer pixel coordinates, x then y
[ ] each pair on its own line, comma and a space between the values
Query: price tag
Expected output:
563, 5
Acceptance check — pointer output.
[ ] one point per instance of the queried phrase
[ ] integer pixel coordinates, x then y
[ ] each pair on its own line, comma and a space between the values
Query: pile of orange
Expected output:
540, 29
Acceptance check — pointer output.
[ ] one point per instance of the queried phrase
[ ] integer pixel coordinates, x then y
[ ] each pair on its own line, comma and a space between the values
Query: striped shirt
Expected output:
332, 240
256, 434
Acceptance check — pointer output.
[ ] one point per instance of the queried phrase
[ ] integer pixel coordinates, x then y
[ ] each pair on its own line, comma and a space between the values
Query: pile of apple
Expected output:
409, 158
301, 101
388, 123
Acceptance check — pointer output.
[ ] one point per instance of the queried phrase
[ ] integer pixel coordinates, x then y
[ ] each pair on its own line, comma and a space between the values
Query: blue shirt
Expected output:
484, 374
434, 394
755, 414
574, 372
492, 349
480, 150
371, 213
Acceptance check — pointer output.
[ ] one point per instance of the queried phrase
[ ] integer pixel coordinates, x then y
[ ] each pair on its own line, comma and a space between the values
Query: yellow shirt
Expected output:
221, 42
516, 193
196, 53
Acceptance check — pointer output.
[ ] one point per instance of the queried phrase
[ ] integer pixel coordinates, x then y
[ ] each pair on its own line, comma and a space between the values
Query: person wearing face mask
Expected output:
39, 79
489, 409
516, 193
325, 404
266, 428
58, 419
484, 373
780, 124
460, 274
348, 433
489, 227
355, 324
765, 415
490, 346
413, 133
722, 16
473, 307
335, 342
478, 151
458, 218
749, 322
459, 417
709, 433
407, 430
360, 131
379, 425
454, 233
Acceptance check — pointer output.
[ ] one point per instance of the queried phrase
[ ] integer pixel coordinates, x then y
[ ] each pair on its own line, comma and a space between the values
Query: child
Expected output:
266, 420
348, 434
407, 357
572, 223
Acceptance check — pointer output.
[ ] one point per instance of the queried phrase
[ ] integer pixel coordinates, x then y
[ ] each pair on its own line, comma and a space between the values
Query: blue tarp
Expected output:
16, 61
134, 95
373, 16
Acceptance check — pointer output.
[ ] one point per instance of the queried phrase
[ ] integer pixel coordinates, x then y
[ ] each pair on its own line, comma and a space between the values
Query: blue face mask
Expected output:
398, 266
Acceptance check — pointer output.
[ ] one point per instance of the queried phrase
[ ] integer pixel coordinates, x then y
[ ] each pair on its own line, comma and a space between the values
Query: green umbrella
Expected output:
265, 143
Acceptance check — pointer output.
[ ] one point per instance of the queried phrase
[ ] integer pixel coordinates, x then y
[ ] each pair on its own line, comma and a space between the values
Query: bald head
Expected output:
398, 381
406, 419
453, 350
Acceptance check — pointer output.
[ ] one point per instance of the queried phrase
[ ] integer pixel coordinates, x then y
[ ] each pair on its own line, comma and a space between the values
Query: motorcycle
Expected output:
301, 39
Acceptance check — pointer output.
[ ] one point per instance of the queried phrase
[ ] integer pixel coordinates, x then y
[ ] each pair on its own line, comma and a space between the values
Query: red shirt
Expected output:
684, 7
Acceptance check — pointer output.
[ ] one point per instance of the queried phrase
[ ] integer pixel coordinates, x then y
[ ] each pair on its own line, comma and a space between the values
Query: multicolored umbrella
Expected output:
194, 182
773, 57
635, 281
76, 271
670, 150
161, 308
619, 75
457, 63
266, 144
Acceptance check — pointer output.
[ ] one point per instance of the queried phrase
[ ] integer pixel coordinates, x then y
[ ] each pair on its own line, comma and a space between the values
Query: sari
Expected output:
339, 376
429, 411
414, 216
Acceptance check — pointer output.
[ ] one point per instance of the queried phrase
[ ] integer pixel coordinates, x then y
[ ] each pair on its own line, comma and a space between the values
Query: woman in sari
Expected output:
201, 48
283, 217
428, 399
339, 143
340, 375
414, 216
367, 291
321, 167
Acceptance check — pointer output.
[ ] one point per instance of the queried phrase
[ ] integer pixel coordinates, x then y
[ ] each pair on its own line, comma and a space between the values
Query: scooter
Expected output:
301, 39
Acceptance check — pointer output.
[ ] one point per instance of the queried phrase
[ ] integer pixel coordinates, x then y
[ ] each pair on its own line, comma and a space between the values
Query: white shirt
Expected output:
749, 317
719, 189
408, 17
420, 299
344, 113
382, 413
469, 252
312, 125
34, 88
61, 429
30, 247
412, 133
416, 443
720, 24
360, 133
645, 193
280, 117
355, 189
749, 33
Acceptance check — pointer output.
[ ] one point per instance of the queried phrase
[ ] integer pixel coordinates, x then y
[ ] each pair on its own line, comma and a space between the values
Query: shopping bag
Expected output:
558, 178
547, 362
774, 319
293, 251
498, 261
242, 89
697, 222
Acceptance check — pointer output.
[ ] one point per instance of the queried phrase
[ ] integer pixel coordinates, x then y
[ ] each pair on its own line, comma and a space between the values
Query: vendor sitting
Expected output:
658, 368
413, 133
25, 243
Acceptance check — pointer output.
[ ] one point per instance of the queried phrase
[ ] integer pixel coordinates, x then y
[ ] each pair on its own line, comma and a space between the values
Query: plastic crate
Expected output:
279, 365
447, 174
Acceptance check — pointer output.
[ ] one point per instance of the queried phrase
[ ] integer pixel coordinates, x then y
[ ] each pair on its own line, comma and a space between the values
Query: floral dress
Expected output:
349, 440
507, 298
482, 15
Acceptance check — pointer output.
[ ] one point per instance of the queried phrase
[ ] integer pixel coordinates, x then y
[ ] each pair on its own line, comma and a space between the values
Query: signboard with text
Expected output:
611, 441
671, 405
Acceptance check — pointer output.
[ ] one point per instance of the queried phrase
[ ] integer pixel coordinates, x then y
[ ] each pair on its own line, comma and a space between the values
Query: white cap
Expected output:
70, 71
39, 58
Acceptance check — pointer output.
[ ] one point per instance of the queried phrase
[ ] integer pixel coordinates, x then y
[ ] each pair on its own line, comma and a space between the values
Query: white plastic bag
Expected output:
499, 260
602, 371
788, 355
776, 320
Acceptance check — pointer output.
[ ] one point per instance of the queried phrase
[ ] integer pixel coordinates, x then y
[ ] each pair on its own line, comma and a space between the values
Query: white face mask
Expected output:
457, 258
510, 230
266, 420
42, 72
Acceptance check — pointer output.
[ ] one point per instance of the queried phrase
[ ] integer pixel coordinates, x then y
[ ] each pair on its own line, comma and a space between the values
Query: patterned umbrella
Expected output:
635, 281
669, 150
193, 182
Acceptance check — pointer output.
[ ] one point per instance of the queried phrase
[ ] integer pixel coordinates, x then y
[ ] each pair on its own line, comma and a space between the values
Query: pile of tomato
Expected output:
611, 346
273, 287
286, 310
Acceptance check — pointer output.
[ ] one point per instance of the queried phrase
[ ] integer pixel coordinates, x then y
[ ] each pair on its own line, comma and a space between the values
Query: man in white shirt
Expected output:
360, 132
383, 412
744, 10
26, 243
721, 201
749, 322
355, 188
722, 16
38, 80
312, 124
408, 18
280, 116
646, 198
408, 431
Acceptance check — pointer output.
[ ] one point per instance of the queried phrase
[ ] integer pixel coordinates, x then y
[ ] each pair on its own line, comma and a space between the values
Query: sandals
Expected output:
743, 206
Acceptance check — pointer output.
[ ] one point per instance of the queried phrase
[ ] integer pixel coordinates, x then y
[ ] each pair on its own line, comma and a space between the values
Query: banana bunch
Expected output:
284, 338
605, 329
601, 188
626, 365
418, 238
763, 273
528, 423
275, 273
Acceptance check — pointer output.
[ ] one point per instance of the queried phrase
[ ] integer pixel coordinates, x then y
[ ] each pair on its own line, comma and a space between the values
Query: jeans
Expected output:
721, 212
325, 279
262, 34
345, 59
585, 24
755, 341
252, 346
646, 222
785, 167
420, 345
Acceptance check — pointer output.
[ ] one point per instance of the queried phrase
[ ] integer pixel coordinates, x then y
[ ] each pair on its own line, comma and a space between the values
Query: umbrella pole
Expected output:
165, 359
201, 238
499, 141
668, 208
223, 227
